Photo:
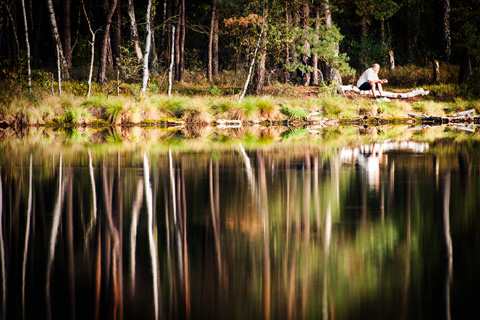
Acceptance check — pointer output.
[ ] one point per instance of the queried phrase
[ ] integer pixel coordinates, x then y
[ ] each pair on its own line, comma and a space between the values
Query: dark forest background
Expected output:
212, 36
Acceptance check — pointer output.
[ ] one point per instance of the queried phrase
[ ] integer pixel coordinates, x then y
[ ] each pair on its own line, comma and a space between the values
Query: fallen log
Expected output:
388, 94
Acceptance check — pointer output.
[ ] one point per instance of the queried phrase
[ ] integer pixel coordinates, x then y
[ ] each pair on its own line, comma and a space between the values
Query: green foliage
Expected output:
324, 42
411, 76
265, 107
215, 91
114, 111
295, 134
75, 115
294, 113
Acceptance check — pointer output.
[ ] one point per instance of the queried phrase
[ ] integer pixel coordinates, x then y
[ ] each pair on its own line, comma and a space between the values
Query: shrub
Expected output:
294, 113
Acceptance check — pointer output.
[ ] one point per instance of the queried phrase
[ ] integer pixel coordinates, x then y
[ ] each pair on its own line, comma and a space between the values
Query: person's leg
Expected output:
380, 91
366, 86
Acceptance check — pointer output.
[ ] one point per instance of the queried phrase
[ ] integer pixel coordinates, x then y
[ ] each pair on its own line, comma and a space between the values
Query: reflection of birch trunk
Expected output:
214, 210
170, 69
448, 243
172, 183
115, 238
53, 238
94, 193
328, 234
266, 272
2, 254
93, 218
391, 189
249, 168
98, 275
71, 267
307, 192
326, 253
408, 247
137, 204
316, 194
291, 284
151, 239
27, 233
185, 247
169, 254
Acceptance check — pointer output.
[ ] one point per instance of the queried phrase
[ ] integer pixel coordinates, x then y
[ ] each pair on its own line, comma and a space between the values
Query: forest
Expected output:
145, 41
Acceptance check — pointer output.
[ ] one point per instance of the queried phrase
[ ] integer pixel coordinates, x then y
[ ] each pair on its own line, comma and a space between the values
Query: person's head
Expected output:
376, 67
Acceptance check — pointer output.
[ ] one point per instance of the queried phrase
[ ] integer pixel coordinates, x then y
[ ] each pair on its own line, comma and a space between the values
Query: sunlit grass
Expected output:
429, 107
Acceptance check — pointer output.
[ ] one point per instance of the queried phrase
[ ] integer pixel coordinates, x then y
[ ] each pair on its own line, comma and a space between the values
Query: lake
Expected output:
240, 223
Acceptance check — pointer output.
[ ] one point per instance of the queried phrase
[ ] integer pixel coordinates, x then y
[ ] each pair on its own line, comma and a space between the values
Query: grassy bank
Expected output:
197, 102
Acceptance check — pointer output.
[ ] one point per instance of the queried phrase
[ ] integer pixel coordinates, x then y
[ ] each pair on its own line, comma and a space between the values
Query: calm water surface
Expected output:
384, 230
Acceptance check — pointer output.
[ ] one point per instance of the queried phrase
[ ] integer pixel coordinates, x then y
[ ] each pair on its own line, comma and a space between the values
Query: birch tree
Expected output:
67, 37
58, 43
147, 49
262, 58
182, 43
212, 44
28, 46
446, 31
134, 30
92, 57
102, 70
172, 59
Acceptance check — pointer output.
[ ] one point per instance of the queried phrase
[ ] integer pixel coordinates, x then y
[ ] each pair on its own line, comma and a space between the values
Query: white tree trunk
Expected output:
56, 37
59, 69
172, 56
210, 43
251, 68
147, 49
92, 59
28, 47
134, 30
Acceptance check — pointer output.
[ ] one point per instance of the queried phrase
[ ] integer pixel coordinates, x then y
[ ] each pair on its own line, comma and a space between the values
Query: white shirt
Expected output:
369, 74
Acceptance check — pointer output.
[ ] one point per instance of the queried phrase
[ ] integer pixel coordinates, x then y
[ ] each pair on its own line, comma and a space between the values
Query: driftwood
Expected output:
393, 95
459, 117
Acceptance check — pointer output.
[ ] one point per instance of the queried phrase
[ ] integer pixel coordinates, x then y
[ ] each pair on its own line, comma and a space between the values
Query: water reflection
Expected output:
295, 232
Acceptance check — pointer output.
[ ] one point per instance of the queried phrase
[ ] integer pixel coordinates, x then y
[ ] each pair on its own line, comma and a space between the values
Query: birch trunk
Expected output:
177, 50
172, 56
182, 44
446, 31
147, 49
67, 37
102, 70
315, 56
244, 91
215, 44
134, 30
59, 69
28, 47
306, 43
92, 58
261, 65
210, 42
56, 37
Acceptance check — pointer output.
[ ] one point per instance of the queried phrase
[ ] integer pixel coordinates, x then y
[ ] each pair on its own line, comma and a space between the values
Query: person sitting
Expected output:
369, 81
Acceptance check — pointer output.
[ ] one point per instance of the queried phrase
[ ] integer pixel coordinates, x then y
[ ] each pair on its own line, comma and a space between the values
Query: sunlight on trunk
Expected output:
57, 213
151, 239
27, 232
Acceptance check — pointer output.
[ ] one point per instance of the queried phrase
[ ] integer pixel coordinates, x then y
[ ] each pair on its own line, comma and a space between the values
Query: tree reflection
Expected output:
295, 233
